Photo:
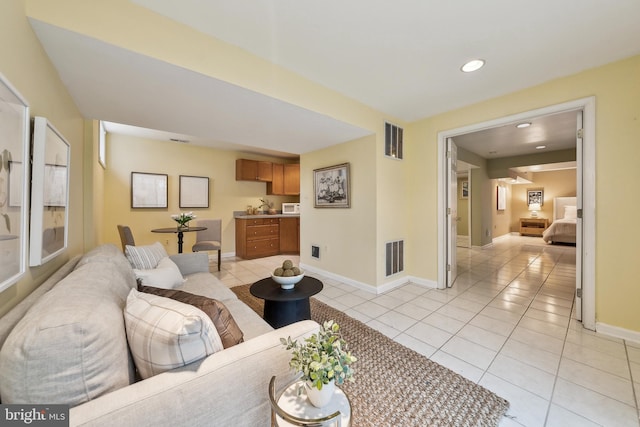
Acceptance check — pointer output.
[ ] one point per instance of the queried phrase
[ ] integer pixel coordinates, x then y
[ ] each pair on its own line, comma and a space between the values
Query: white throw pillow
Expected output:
570, 212
166, 275
145, 257
165, 334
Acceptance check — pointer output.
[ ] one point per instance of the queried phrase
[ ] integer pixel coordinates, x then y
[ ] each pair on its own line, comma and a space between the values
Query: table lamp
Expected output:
534, 208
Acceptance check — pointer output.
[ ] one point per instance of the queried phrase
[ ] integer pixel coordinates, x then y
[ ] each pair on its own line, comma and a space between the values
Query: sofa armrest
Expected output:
190, 263
228, 388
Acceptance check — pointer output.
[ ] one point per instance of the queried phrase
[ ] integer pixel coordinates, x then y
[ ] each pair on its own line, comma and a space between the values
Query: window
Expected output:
393, 141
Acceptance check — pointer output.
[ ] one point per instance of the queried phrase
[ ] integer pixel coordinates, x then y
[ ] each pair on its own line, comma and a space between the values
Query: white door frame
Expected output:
588, 106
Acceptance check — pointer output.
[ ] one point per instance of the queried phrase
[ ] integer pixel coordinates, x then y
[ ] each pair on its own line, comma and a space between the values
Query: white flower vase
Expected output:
320, 398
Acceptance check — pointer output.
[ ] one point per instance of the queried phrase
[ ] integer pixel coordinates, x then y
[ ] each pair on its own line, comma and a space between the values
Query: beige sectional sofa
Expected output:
66, 343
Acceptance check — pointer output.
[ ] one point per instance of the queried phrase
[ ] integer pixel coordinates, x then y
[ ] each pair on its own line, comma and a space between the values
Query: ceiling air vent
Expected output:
393, 141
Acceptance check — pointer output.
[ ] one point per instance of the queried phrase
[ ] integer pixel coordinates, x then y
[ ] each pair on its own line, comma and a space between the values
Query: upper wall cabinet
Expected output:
253, 170
286, 180
292, 179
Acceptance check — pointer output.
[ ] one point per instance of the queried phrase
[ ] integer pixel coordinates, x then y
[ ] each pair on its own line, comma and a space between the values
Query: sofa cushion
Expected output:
166, 275
165, 334
227, 328
208, 285
145, 257
71, 346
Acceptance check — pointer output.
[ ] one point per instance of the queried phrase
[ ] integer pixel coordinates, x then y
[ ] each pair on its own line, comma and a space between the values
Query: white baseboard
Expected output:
343, 279
389, 286
618, 332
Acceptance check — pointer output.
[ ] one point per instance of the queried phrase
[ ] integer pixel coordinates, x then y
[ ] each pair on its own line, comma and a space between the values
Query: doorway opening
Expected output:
585, 160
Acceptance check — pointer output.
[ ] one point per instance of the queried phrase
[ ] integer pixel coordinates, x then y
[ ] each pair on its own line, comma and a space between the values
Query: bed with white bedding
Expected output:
563, 227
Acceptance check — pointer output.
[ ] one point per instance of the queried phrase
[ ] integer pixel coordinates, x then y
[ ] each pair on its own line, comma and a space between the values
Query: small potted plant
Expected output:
324, 361
266, 203
183, 219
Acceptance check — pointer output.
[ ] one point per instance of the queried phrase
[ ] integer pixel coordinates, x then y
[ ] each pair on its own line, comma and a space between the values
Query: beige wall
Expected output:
617, 91
346, 237
126, 154
24, 63
501, 219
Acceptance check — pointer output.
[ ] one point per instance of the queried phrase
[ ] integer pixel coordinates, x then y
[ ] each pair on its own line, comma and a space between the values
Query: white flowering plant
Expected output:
322, 357
183, 218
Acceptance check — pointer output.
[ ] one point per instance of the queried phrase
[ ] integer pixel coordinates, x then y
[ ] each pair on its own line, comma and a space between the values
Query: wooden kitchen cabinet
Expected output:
257, 237
290, 235
276, 186
286, 180
253, 170
292, 179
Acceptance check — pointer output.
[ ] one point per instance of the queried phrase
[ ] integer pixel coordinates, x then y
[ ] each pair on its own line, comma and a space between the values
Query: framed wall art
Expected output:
501, 198
194, 191
331, 187
464, 190
149, 190
14, 183
535, 196
49, 193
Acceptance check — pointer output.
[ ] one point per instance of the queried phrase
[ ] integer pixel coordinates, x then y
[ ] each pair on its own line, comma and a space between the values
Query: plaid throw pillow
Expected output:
229, 331
145, 257
165, 334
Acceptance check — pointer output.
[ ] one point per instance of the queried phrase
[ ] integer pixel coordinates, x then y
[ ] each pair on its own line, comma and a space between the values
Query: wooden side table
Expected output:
289, 409
533, 226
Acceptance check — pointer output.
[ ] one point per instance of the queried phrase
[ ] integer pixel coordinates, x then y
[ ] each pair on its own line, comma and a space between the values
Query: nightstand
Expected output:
533, 226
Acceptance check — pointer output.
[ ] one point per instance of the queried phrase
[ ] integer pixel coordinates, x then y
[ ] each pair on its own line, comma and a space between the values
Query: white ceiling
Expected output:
401, 58
555, 132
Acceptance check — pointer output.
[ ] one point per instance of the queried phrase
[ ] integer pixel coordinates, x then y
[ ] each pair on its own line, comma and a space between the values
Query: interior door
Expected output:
452, 211
579, 151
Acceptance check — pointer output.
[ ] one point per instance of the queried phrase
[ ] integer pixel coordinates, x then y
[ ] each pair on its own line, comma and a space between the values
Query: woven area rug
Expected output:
396, 386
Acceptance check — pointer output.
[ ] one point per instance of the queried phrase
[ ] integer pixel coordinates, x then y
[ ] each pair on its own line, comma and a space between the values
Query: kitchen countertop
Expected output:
245, 216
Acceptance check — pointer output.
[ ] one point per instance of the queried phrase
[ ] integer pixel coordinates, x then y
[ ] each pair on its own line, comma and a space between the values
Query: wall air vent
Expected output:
393, 141
394, 257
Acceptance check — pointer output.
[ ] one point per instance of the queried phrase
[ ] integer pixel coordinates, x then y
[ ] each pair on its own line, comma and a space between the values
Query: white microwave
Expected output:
291, 208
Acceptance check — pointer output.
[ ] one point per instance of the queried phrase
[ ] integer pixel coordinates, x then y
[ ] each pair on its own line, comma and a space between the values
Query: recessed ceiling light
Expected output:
184, 141
473, 65
493, 152
523, 125
541, 147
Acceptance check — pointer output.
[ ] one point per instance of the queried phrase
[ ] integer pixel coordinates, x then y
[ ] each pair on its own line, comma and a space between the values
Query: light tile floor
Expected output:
508, 324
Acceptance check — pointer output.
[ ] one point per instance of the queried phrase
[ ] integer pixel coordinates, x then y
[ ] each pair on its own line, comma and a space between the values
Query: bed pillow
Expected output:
229, 331
570, 212
145, 257
166, 275
165, 334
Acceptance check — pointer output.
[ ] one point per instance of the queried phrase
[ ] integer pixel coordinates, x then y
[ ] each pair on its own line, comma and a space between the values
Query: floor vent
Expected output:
395, 257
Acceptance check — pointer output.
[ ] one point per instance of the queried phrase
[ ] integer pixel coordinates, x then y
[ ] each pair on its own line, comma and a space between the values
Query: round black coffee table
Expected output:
285, 306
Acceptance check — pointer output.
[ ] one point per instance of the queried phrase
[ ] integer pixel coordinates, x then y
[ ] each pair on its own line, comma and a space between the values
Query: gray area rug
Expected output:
396, 386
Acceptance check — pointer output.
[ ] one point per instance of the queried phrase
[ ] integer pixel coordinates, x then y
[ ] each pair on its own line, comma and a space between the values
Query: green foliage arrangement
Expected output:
322, 357
183, 218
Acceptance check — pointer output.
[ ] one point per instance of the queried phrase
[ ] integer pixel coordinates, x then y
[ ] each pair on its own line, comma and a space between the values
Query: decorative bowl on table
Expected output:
287, 282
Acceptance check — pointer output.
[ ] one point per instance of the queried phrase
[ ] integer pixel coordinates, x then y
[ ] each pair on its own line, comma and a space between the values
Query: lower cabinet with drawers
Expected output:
257, 237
